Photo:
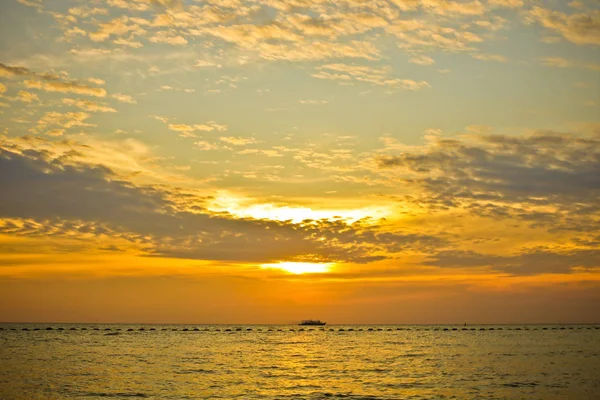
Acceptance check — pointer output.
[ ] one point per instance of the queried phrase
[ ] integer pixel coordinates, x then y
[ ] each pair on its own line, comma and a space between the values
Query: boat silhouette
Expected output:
312, 322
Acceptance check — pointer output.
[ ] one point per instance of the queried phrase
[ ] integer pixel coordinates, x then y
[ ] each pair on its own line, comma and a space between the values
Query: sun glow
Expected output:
300, 267
244, 208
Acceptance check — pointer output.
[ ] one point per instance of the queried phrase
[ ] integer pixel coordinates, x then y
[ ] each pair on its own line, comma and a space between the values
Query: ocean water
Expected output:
283, 362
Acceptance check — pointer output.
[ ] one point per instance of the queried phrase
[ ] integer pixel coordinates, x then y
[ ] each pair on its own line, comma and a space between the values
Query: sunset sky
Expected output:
267, 161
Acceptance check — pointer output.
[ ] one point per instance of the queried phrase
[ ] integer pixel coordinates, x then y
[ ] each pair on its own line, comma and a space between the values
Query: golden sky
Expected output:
262, 161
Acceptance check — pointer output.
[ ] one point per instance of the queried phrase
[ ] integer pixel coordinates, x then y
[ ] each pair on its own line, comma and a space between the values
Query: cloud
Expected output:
96, 81
490, 57
88, 105
204, 63
188, 130
123, 98
313, 102
560, 62
544, 164
120, 26
238, 141
32, 3
506, 3
42, 188
507, 177
421, 59
421, 35
51, 82
9, 71
577, 28
167, 3
66, 87
27, 97
61, 120
556, 62
169, 38
361, 73
445, 7
296, 30
538, 261
129, 43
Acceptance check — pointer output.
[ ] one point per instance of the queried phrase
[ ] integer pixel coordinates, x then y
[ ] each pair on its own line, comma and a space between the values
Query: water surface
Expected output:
54, 361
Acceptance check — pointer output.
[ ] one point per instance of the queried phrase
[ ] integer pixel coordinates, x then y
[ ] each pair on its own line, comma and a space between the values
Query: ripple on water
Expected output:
116, 394
291, 365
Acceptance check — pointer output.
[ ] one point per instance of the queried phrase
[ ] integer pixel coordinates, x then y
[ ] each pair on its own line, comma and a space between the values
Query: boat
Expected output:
312, 322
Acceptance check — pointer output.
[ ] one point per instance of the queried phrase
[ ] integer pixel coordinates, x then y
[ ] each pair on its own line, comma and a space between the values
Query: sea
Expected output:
117, 361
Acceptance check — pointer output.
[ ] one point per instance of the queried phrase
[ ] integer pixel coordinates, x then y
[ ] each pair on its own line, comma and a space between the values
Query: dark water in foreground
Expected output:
281, 362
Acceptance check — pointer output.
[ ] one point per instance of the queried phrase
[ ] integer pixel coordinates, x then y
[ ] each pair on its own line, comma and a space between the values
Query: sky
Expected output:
268, 161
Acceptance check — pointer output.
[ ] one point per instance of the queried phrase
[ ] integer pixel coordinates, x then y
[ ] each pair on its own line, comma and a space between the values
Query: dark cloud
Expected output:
509, 177
57, 198
50, 81
530, 263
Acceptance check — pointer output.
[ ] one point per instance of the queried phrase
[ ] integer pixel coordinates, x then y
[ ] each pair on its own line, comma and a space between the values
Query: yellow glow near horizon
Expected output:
300, 267
243, 208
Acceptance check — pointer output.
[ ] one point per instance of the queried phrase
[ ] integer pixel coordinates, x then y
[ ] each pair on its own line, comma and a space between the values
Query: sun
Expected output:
300, 267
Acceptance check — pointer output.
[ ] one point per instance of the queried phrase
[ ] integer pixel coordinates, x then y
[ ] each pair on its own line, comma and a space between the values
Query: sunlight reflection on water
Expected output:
273, 362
